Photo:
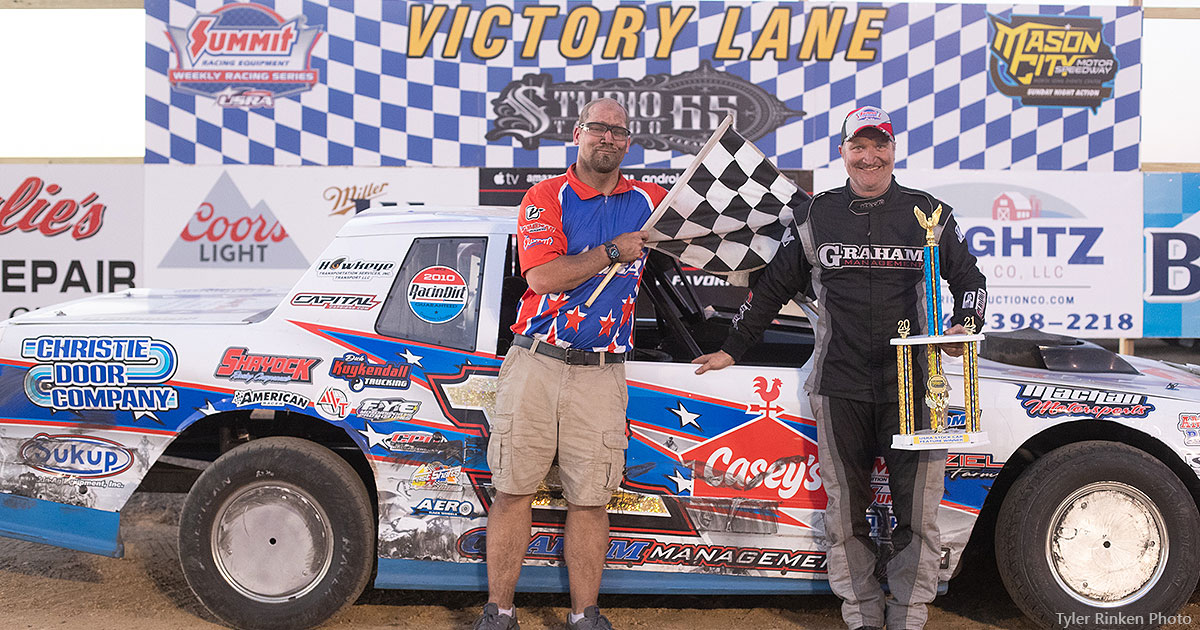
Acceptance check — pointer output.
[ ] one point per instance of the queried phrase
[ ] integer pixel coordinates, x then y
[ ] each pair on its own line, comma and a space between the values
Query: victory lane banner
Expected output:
500, 84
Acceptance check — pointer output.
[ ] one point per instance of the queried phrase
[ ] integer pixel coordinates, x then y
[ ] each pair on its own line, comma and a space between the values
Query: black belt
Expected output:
570, 356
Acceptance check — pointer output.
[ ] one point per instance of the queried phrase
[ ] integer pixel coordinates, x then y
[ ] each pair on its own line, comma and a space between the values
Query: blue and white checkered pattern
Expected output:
376, 106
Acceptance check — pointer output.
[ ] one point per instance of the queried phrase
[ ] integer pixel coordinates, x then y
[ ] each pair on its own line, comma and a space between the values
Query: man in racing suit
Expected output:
859, 249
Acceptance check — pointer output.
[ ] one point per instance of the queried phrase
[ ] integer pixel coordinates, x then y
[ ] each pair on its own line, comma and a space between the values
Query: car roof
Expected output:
409, 219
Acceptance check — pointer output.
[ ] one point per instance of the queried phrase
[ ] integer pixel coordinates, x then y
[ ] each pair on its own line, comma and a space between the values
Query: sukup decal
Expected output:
83, 456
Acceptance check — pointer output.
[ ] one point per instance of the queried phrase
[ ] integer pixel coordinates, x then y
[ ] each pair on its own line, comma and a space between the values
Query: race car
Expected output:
335, 435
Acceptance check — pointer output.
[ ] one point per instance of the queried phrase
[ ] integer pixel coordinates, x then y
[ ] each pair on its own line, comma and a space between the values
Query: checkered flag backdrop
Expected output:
730, 210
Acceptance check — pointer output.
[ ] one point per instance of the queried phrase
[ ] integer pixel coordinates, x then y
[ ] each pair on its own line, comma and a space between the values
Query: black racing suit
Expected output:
862, 260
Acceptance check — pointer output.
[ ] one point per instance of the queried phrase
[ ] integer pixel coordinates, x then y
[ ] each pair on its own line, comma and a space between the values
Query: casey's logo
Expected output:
762, 459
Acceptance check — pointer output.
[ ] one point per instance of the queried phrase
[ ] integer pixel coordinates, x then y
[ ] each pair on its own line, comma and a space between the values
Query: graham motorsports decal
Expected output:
107, 373
243, 55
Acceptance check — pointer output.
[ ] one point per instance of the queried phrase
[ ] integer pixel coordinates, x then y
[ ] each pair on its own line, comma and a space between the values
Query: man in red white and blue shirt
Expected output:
561, 390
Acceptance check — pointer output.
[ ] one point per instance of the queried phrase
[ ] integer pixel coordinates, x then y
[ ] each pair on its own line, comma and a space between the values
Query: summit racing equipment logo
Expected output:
225, 231
83, 456
108, 373
1049, 401
239, 365
838, 255
666, 112
243, 55
1052, 61
361, 373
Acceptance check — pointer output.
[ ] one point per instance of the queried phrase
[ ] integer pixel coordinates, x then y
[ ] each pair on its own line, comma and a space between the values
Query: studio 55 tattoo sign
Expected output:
666, 112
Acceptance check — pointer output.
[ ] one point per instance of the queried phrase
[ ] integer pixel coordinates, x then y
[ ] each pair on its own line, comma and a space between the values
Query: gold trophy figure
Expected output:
937, 388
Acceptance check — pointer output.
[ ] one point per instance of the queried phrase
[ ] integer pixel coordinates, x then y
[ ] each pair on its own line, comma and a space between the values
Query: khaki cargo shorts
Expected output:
543, 407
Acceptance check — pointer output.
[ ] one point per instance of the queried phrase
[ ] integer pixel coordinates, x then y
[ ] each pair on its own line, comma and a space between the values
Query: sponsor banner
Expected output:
64, 233
253, 226
501, 83
1054, 246
1053, 402
1171, 246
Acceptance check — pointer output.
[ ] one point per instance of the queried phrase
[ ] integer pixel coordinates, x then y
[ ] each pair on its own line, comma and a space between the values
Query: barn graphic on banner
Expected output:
499, 84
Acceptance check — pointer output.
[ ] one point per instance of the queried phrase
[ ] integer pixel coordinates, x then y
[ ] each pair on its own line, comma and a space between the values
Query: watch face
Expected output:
614, 252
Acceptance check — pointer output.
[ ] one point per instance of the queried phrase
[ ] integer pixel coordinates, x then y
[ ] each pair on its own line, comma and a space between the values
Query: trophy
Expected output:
937, 388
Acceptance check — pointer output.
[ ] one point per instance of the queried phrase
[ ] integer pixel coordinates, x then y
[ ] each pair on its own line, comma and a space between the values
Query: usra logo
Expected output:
437, 294
444, 507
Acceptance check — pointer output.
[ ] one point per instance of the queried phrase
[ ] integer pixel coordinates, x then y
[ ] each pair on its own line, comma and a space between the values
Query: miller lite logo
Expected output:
762, 459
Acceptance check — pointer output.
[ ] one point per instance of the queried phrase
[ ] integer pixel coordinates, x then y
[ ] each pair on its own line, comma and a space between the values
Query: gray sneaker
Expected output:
592, 620
491, 619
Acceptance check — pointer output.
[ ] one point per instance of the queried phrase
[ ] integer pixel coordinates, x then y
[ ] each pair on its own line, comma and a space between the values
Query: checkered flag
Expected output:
730, 210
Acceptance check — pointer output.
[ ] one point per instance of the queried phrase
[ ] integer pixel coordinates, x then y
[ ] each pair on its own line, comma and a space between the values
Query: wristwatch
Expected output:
614, 252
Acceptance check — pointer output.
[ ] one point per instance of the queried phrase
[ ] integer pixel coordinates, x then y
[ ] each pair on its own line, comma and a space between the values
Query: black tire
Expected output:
1066, 567
296, 530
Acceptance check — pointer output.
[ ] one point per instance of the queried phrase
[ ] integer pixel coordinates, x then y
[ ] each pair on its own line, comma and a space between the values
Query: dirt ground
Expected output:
43, 587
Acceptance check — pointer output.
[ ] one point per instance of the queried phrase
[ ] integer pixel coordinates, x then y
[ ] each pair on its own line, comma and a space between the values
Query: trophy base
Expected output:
927, 440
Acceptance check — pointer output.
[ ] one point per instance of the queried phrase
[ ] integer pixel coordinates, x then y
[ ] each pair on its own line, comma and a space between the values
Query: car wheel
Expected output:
1098, 531
277, 533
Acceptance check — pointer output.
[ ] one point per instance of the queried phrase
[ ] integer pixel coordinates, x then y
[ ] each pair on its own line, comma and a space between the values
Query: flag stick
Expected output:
669, 199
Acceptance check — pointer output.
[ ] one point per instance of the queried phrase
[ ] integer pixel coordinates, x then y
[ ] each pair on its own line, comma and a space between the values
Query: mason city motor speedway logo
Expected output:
106, 373
1052, 61
243, 55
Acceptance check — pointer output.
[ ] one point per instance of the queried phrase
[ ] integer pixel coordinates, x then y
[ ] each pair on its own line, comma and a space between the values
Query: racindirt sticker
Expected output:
437, 294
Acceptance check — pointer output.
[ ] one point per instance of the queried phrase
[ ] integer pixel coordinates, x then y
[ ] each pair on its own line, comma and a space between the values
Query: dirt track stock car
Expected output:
335, 435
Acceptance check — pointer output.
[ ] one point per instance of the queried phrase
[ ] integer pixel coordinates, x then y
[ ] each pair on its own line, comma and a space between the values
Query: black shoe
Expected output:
592, 620
868, 628
491, 619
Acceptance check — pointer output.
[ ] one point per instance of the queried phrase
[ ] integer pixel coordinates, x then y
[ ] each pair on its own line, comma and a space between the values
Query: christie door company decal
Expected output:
499, 83
101, 373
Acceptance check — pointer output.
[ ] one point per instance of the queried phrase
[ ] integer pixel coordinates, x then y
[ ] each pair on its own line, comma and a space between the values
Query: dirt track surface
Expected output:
44, 587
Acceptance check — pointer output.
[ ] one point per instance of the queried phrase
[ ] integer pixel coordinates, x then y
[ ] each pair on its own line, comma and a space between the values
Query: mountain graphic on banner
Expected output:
225, 231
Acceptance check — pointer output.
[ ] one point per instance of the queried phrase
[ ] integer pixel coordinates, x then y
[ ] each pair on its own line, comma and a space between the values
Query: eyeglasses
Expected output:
598, 129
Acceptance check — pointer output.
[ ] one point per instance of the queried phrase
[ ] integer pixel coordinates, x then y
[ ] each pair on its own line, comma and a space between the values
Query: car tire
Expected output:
277, 533
1098, 532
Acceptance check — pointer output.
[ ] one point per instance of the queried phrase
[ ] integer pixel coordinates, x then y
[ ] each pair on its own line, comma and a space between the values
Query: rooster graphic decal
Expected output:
768, 396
